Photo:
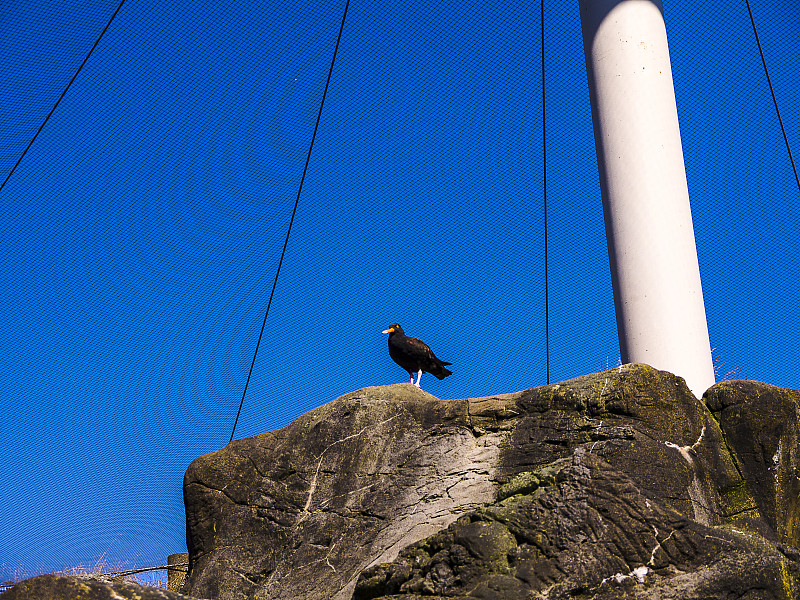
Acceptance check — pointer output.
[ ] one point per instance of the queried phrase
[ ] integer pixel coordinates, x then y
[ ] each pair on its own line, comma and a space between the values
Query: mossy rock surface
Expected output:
618, 484
762, 429
592, 533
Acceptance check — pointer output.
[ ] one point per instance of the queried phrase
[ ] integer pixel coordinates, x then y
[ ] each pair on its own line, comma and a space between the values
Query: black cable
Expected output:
64, 93
294, 210
180, 567
544, 169
772, 91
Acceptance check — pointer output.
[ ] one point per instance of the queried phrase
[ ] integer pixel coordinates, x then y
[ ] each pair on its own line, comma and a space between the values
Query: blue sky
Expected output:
141, 233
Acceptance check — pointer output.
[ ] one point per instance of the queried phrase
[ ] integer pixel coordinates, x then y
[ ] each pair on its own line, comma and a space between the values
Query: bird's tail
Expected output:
441, 372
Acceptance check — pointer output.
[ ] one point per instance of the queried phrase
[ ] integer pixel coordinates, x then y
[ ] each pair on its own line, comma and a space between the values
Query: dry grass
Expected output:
103, 569
721, 370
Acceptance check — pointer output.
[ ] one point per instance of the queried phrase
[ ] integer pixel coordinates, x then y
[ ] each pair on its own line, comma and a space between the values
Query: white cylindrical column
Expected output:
657, 292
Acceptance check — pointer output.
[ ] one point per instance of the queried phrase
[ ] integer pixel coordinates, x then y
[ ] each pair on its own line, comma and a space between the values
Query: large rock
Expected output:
619, 484
300, 512
578, 528
761, 424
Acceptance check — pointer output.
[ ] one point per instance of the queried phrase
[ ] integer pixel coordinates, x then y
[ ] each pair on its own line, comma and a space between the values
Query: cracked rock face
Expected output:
300, 512
761, 422
586, 531
619, 484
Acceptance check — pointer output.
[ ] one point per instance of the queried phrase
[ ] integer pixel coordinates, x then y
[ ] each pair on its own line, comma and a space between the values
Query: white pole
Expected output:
658, 297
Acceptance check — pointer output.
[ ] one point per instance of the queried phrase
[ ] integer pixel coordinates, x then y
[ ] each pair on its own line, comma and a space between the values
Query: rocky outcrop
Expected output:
619, 484
81, 587
578, 528
761, 424
300, 512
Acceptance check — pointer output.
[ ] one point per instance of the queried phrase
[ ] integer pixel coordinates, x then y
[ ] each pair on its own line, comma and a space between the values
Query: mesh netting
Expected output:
141, 233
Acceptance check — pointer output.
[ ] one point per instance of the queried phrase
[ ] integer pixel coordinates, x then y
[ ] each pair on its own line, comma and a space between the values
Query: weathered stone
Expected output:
80, 587
300, 512
760, 423
619, 484
592, 533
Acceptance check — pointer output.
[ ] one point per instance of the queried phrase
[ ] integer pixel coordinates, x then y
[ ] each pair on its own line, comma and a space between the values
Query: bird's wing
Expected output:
419, 347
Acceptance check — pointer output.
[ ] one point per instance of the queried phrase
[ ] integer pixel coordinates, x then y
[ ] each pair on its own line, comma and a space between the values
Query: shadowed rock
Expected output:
761, 422
619, 484
587, 531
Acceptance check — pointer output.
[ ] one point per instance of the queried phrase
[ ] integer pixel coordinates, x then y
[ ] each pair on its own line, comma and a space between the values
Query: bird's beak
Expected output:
390, 330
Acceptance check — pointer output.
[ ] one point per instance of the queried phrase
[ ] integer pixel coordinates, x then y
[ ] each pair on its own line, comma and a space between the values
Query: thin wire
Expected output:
772, 91
546, 266
64, 93
294, 210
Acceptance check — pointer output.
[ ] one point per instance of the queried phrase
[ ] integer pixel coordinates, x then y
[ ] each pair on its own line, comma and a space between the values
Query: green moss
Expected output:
529, 481
738, 501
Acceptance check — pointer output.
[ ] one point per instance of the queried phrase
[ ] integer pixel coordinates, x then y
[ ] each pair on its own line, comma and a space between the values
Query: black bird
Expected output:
414, 355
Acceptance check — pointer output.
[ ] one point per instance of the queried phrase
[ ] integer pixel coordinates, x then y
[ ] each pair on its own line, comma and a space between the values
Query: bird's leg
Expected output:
419, 376
412, 377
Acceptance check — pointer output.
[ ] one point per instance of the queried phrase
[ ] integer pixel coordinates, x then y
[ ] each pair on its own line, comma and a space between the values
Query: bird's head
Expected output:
393, 328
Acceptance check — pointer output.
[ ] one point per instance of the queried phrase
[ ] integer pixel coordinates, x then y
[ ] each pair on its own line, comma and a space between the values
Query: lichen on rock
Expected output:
618, 484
